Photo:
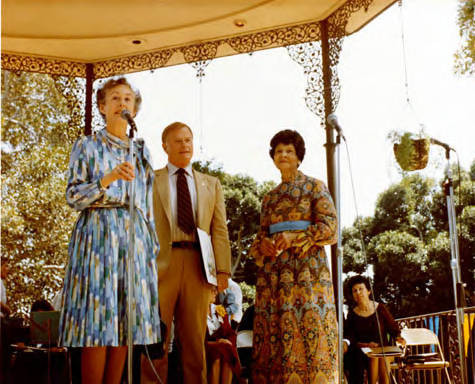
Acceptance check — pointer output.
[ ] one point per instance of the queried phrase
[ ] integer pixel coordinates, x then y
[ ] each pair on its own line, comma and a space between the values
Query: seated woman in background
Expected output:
42, 305
361, 329
221, 352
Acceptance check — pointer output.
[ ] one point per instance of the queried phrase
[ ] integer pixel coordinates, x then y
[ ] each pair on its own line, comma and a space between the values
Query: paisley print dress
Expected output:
295, 324
95, 293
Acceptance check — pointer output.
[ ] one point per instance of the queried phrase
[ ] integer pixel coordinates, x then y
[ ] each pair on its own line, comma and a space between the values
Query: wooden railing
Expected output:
445, 326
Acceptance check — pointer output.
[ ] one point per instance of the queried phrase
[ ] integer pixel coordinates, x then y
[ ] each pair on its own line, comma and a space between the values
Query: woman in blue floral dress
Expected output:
94, 314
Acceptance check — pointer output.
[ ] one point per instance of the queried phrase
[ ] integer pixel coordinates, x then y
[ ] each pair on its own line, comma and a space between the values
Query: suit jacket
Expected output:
211, 217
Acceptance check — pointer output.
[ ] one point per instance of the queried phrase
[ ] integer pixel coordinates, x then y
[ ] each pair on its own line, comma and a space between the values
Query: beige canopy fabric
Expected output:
167, 32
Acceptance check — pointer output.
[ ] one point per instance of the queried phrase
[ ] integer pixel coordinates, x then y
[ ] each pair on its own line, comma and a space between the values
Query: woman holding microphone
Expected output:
94, 311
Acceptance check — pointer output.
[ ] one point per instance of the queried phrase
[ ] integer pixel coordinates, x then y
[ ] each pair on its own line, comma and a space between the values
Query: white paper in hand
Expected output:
207, 255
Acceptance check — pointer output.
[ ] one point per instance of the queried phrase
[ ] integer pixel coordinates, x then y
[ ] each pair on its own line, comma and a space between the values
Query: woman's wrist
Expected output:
108, 179
104, 183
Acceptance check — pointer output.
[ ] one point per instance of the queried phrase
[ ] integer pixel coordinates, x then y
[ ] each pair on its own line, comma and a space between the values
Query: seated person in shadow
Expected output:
5, 311
245, 353
41, 305
361, 329
221, 352
46, 362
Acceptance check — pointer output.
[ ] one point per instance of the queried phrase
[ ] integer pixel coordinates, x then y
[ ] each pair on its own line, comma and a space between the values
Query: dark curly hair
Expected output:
288, 136
109, 84
351, 282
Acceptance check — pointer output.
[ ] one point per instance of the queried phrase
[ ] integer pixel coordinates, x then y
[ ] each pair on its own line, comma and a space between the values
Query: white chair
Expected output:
244, 339
419, 351
244, 348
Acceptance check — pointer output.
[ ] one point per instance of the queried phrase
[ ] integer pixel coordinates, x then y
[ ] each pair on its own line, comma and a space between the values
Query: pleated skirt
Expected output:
95, 293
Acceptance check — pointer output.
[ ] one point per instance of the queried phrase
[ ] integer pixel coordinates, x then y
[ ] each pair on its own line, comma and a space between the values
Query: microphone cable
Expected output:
363, 250
152, 366
163, 335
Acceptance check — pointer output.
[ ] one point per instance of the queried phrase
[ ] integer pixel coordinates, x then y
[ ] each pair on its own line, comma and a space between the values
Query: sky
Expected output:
244, 100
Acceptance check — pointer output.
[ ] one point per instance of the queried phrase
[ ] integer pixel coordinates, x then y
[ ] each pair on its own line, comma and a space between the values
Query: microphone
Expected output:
125, 114
333, 122
443, 145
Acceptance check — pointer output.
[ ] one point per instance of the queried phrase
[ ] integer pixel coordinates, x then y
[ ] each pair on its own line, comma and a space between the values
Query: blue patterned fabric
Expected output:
297, 225
95, 293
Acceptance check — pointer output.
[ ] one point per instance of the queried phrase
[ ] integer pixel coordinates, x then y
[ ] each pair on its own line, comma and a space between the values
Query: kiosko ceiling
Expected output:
168, 31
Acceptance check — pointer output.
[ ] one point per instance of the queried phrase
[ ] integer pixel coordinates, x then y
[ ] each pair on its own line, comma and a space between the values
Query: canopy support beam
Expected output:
88, 107
330, 144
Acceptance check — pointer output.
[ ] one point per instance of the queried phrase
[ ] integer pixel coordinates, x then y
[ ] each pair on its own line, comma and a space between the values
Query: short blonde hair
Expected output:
173, 127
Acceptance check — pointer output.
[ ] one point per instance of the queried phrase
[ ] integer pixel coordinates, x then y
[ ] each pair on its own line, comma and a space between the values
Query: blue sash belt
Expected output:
289, 226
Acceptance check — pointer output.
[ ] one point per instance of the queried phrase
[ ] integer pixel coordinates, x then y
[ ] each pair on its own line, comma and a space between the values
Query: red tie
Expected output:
184, 208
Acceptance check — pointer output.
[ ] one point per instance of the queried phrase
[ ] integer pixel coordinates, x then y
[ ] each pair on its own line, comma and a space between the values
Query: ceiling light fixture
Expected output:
239, 23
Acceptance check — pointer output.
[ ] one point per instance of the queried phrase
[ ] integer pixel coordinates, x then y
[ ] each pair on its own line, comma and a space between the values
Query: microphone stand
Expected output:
459, 294
131, 254
339, 259
333, 122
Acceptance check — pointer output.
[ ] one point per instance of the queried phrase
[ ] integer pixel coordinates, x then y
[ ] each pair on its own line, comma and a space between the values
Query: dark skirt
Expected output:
225, 352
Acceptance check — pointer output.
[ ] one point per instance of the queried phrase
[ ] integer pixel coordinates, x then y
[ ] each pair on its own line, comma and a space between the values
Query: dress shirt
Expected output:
177, 233
236, 290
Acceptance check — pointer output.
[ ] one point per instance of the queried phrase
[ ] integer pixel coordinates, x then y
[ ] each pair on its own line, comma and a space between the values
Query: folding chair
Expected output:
244, 348
423, 351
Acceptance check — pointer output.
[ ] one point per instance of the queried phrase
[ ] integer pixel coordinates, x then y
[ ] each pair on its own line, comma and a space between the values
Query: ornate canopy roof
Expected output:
121, 36
94, 39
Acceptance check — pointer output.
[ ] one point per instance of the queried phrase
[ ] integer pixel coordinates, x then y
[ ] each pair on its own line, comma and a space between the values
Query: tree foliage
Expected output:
243, 196
400, 269
407, 242
465, 56
36, 223
248, 295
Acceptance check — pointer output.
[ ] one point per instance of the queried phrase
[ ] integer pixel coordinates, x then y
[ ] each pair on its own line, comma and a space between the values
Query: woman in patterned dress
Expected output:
94, 313
295, 326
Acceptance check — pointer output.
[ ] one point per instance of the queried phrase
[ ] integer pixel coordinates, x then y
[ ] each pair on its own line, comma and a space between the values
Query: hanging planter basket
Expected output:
412, 153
